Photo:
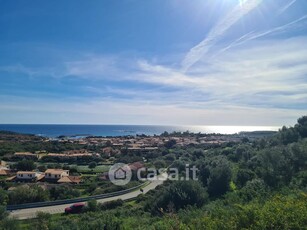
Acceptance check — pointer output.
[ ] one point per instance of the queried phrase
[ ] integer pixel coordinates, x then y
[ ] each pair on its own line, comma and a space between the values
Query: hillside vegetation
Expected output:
248, 185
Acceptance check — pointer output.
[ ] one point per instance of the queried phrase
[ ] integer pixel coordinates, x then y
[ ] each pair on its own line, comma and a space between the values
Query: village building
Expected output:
5, 172
55, 174
27, 155
28, 175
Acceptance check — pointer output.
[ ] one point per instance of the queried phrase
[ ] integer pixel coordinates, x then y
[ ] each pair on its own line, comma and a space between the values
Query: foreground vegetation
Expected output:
249, 185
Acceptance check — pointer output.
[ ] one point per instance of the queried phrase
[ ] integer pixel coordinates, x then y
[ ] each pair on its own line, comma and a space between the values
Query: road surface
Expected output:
31, 212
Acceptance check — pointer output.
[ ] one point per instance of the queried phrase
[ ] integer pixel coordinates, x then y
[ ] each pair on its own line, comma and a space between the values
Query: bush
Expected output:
63, 192
3, 197
219, 178
243, 176
254, 189
25, 194
92, 165
3, 212
111, 204
9, 224
92, 205
178, 195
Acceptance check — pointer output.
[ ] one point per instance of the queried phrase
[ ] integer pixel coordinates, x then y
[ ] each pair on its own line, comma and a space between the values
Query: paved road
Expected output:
31, 212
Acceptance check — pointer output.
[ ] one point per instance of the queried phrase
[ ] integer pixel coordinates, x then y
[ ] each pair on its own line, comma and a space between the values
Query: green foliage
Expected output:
243, 176
170, 157
288, 135
159, 164
219, 180
9, 224
63, 192
292, 134
42, 221
28, 194
111, 205
302, 126
216, 174
92, 165
254, 189
3, 212
92, 205
25, 165
280, 212
170, 144
3, 197
90, 221
252, 185
178, 195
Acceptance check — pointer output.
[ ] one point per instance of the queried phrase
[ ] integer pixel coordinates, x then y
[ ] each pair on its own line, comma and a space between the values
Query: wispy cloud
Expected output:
38, 110
198, 51
254, 35
268, 74
18, 68
94, 66
285, 7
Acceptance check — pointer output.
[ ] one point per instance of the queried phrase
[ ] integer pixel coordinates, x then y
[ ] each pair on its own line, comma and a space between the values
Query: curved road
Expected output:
31, 212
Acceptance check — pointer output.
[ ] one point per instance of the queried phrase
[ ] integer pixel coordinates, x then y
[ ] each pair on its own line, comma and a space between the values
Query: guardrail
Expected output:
75, 200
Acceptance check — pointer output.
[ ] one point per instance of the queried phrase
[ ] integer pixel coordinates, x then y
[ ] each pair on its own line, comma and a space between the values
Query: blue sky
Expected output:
200, 62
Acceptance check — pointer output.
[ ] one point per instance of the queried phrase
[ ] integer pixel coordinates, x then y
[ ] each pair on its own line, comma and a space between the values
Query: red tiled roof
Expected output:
70, 179
136, 165
4, 172
26, 172
55, 171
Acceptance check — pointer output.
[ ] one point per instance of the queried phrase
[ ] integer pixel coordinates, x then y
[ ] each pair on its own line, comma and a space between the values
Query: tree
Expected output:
42, 221
92, 205
272, 165
159, 164
169, 144
73, 171
92, 165
302, 126
198, 153
26, 194
3, 212
42, 168
244, 175
170, 157
179, 195
288, 135
25, 165
219, 177
3, 197
61, 192
253, 189
9, 224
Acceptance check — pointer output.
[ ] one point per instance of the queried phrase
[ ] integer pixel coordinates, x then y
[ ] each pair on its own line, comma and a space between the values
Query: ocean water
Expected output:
124, 130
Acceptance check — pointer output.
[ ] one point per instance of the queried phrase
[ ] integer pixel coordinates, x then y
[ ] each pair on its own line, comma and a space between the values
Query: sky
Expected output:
159, 62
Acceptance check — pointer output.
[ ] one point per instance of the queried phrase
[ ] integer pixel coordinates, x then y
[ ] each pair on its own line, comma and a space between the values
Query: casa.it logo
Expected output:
120, 174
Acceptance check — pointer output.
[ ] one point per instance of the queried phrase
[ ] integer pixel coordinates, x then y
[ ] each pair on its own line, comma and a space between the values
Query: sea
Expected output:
77, 131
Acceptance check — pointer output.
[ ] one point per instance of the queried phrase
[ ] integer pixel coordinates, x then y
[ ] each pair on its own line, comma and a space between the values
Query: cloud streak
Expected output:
267, 74
283, 9
254, 35
198, 51
266, 77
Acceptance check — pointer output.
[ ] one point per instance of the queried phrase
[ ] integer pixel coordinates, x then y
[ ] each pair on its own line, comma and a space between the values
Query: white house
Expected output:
27, 175
56, 174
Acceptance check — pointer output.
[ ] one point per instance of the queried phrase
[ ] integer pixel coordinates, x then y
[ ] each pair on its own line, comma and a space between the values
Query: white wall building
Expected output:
27, 175
55, 174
